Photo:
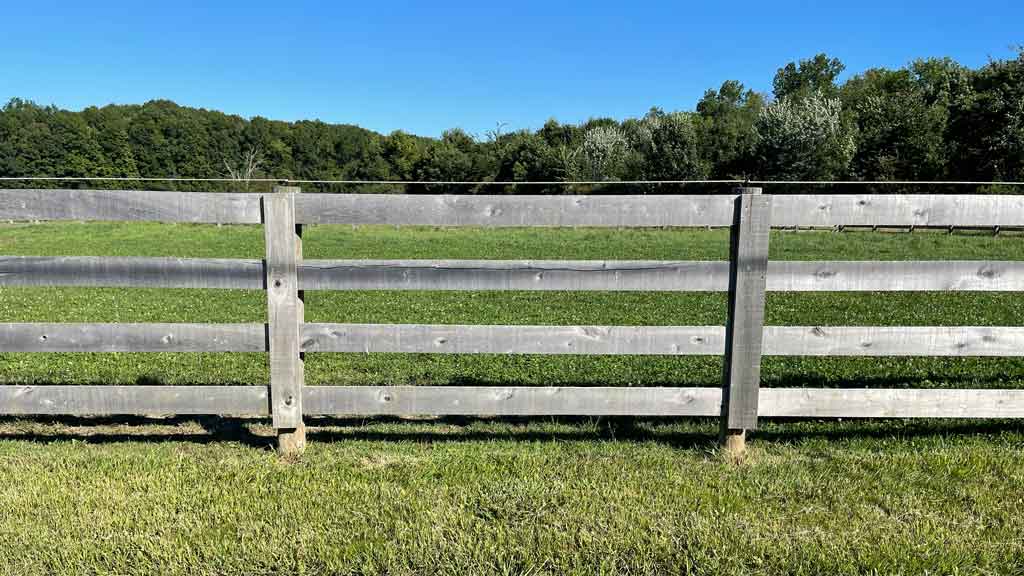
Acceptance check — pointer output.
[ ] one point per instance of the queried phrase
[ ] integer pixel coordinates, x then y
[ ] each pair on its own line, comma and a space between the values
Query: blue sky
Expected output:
430, 65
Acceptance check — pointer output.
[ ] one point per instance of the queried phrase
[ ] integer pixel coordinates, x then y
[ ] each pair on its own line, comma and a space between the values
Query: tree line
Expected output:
933, 119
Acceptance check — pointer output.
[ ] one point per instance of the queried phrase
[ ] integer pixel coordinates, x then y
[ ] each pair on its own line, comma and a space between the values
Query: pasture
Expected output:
470, 495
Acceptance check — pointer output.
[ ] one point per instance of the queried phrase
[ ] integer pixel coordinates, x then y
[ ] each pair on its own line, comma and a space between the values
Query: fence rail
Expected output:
284, 275
524, 275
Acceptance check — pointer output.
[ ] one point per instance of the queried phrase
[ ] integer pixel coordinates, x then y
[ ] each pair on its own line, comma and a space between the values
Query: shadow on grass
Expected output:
702, 432
139, 429
680, 433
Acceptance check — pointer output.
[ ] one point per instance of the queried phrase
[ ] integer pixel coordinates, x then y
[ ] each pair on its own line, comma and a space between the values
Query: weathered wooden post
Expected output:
748, 266
285, 311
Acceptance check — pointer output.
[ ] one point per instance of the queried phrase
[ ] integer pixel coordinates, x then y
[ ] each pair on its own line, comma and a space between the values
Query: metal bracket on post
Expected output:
748, 266
285, 310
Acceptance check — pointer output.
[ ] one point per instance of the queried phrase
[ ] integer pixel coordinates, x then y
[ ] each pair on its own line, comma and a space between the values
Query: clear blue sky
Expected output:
429, 65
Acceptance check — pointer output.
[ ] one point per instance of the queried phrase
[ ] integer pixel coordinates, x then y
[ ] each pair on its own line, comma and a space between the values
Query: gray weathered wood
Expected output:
893, 341
198, 207
611, 275
484, 210
101, 400
655, 275
967, 276
462, 339
744, 327
602, 401
788, 210
510, 401
662, 340
284, 308
468, 339
131, 272
31, 337
522, 401
920, 210
883, 403
512, 275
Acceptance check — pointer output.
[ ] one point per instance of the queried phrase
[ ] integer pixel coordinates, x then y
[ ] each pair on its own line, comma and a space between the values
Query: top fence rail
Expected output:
787, 210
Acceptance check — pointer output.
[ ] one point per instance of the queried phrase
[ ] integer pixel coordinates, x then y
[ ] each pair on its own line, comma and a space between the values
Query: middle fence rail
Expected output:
284, 276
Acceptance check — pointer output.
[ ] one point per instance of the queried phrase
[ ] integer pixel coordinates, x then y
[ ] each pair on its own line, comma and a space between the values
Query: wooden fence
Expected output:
284, 275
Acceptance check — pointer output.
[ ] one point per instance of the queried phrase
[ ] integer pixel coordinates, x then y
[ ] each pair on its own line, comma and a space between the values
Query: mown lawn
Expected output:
542, 496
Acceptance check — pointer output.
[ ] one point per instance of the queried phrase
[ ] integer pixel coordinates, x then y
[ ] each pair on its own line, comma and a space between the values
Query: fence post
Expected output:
285, 311
748, 265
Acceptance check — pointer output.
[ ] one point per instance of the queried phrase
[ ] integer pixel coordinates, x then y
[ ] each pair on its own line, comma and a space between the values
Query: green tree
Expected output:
726, 129
987, 126
814, 75
901, 130
805, 138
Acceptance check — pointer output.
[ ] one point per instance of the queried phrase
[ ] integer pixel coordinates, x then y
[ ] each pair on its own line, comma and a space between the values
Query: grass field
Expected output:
542, 496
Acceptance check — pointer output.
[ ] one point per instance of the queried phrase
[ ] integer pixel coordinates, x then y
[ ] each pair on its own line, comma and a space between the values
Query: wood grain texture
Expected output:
744, 328
139, 272
884, 403
470, 339
920, 210
895, 276
601, 401
528, 275
523, 401
103, 400
285, 308
510, 401
197, 207
624, 275
963, 341
931, 210
504, 210
38, 337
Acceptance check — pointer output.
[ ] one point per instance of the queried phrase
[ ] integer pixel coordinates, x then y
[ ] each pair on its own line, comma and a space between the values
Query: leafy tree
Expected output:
987, 126
601, 155
901, 129
666, 147
814, 75
932, 119
805, 138
726, 129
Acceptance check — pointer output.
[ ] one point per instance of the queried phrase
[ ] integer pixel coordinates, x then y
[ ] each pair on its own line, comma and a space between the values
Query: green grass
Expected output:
484, 496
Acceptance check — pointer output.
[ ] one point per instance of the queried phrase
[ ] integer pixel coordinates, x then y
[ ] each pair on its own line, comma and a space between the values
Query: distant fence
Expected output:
284, 275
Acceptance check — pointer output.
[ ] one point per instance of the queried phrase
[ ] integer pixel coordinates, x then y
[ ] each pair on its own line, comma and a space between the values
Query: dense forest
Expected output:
933, 119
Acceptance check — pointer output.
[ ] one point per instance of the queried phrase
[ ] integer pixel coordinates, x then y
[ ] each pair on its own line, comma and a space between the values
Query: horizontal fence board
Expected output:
887, 403
467, 339
197, 207
510, 401
621, 275
670, 210
963, 341
893, 341
494, 210
924, 210
603, 401
103, 400
140, 272
28, 337
657, 275
895, 276
534, 275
